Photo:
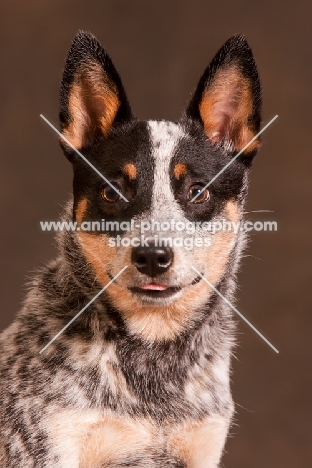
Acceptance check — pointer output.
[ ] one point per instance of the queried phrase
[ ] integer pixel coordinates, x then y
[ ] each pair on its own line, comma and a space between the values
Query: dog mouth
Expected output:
155, 290
159, 290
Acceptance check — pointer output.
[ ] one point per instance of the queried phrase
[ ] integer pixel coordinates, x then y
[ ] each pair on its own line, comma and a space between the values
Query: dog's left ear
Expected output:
92, 98
227, 101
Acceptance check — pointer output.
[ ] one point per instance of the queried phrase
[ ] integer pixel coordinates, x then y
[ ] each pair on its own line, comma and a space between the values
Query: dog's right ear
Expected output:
92, 98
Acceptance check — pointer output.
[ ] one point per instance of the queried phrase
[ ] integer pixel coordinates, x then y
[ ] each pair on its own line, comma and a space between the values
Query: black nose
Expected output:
152, 261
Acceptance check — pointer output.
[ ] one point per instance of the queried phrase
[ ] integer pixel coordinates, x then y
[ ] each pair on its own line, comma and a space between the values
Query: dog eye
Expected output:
109, 194
195, 190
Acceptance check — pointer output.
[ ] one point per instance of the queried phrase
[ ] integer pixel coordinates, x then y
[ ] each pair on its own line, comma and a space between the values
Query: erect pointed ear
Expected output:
92, 98
227, 100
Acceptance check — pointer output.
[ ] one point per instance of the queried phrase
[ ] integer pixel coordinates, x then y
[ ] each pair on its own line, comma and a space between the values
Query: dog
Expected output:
141, 378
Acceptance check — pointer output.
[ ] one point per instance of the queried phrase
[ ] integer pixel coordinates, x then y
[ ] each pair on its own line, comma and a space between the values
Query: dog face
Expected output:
155, 169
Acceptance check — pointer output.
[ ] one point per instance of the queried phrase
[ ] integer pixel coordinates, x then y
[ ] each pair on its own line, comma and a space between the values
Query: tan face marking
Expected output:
217, 255
226, 107
94, 247
99, 255
130, 170
93, 105
231, 209
81, 210
180, 170
163, 322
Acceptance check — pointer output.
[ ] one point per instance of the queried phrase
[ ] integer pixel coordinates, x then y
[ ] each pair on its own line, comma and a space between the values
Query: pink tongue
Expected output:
154, 287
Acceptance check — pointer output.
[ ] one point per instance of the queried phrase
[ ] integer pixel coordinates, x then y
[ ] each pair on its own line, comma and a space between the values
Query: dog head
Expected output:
147, 195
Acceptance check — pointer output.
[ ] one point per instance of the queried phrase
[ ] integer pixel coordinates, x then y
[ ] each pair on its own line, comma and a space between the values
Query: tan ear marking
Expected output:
180, 170
93, 105
226, 107
130, 170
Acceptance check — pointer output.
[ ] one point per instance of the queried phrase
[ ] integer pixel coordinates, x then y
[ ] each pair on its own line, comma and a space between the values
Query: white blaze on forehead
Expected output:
165, 137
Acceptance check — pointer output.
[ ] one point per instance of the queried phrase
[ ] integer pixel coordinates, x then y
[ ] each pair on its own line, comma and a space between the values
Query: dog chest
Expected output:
91, 439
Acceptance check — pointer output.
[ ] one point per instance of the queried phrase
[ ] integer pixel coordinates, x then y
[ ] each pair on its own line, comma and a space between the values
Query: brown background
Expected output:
161, 48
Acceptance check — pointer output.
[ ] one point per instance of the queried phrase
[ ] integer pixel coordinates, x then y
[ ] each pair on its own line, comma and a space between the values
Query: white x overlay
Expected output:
235, 310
